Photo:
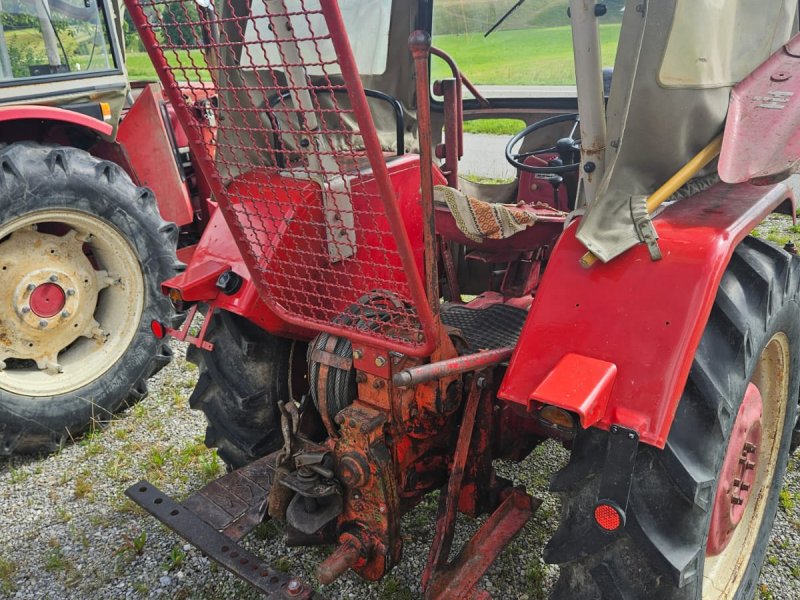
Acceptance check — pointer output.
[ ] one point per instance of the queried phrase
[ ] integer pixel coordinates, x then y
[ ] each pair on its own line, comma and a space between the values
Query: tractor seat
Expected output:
493, 226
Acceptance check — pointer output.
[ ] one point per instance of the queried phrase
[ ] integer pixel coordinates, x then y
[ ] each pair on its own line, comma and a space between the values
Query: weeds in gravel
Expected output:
210, 466
786, 500
796, 571
8, 569
132, 545
84, 489
18, 475
393, 588
55, 560
174, 559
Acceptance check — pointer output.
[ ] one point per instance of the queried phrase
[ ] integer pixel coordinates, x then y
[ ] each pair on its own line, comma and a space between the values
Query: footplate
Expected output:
235, 503
218, 546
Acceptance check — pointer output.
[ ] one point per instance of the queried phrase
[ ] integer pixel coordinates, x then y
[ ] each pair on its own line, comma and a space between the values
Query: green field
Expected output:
537, 56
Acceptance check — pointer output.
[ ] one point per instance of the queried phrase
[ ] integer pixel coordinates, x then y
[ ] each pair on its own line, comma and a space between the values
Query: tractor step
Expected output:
235, 503
196, 530
494, 326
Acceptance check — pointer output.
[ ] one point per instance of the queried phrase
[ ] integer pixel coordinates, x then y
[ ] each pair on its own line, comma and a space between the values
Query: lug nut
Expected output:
53, 278
42, 323
70, 292
31, 287
25, 310
64, 314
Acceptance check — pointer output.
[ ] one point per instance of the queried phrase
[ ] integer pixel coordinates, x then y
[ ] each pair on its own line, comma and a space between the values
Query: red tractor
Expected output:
84, 246
376, 328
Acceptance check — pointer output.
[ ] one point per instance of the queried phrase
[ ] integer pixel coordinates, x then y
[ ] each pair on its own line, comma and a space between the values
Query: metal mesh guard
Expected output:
292, 156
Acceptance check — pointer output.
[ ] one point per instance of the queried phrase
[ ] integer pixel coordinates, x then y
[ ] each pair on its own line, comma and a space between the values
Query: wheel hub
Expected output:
47, 300
738, 472
50, 298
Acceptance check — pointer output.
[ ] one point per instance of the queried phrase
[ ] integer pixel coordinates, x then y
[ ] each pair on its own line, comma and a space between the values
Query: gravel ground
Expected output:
67, 531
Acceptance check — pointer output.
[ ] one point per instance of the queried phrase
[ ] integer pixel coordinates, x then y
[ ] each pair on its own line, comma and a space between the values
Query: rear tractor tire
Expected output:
701, 510
240, 384
83, 252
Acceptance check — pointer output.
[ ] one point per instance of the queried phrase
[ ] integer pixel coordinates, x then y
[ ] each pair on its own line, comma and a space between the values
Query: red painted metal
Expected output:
52, 113
738, 472
646, 317
216, 253
760, 138
313, 264
47, 300
144, 135
183, 334
586, 394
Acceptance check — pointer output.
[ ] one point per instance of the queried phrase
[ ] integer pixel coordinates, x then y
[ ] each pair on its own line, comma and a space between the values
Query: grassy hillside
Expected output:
534, 56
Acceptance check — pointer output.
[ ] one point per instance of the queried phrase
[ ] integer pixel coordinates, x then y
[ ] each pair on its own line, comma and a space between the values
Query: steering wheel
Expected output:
566, 148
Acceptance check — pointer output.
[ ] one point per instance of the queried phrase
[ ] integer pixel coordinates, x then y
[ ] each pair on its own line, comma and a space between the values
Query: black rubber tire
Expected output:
241, 381
660, 553
36, 177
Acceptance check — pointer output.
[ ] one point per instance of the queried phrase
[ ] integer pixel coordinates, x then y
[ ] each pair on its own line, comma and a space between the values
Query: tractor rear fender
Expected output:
615, 343
143, 146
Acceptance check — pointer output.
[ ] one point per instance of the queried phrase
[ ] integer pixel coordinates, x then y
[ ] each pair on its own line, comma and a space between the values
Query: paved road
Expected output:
485, 155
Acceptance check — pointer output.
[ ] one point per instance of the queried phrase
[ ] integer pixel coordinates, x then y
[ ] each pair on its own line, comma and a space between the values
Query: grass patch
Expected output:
140, 68
8, 569
507, 127
83, 487
786, 500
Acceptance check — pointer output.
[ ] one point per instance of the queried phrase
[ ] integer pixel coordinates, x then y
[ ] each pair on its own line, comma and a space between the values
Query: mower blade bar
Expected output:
219, 547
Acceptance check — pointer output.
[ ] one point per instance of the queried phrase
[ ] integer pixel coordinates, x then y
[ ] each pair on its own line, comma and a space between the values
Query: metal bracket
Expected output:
615, 482
644, 225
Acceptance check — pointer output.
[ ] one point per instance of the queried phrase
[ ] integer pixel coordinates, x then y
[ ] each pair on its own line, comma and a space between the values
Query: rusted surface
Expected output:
219, 547
460, 578
453, 366
448, 503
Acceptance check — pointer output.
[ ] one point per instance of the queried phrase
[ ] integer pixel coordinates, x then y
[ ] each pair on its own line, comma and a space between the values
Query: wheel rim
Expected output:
71, 301
757, 438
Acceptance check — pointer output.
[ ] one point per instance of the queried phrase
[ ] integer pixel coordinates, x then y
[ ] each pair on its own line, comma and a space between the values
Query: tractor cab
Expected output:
64, 54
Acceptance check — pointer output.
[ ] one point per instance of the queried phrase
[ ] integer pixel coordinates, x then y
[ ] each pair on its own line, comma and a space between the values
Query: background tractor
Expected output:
377, 328
84, 245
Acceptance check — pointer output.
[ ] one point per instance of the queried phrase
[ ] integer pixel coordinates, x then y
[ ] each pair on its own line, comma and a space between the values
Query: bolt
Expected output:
294, 587
357, 354
53, 278
42, 323
378, 384
25, 310
745, 487
737, 482
70, 292
379, 361
64, 314
736, 500
31, 287
750, 465
631, 436
750, 447
589, 167
382, 508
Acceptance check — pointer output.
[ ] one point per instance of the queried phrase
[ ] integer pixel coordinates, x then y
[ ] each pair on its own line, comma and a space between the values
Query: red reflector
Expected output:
607, 517
158, 329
